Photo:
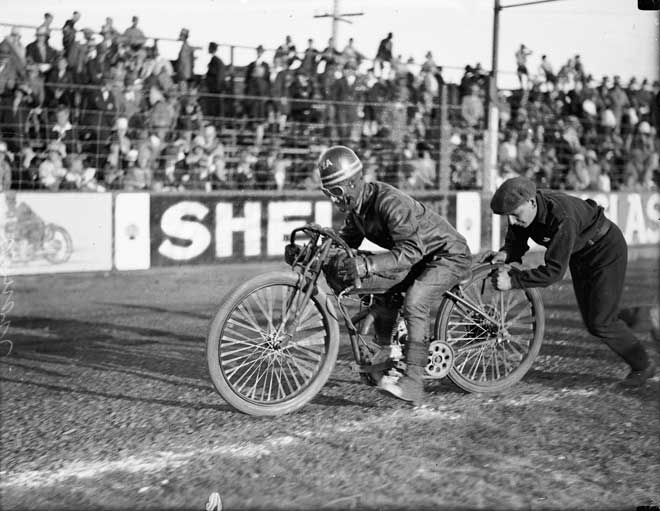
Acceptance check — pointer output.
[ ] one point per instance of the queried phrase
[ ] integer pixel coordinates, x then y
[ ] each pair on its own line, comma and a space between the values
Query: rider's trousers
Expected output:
423, 285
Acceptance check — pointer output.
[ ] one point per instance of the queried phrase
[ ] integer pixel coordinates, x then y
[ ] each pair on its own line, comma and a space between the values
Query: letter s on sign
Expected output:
173, 224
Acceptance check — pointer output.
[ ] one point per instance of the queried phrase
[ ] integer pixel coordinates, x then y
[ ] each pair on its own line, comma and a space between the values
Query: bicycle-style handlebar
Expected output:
317, 230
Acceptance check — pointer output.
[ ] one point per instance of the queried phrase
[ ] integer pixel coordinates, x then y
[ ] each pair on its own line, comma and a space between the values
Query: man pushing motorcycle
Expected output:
424, 256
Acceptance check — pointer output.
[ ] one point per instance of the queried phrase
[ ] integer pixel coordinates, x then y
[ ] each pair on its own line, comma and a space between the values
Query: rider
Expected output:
27, 229
424, 254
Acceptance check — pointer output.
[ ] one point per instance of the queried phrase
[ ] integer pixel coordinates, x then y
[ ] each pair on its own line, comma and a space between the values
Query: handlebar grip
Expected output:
357, 283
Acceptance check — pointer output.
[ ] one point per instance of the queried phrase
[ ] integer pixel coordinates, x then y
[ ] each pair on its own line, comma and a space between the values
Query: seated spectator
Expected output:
211, 142
423, 175
52, 170
594, 170
472, 108
63, 131
27, 177
73, 179
113, 172
219, 178
198, 164
162, 116
464, 163
138, 172
243, 174
578, 177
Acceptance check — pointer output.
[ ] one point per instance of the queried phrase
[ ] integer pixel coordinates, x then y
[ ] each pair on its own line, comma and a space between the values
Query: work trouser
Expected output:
423, 285
598, 273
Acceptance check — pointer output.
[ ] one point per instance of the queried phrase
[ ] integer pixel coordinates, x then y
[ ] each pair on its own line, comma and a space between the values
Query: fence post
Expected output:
444, 170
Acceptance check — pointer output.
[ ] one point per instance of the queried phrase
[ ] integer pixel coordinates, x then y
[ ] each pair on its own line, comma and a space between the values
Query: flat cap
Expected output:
511, 194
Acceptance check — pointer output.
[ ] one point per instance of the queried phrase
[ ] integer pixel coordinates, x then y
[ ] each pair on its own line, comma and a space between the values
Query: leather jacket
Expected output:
409, 230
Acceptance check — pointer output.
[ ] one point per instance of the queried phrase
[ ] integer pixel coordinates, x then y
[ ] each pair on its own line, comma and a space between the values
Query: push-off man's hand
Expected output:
502, 280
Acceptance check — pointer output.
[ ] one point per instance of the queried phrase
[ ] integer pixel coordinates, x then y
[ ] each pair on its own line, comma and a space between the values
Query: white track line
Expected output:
155, 462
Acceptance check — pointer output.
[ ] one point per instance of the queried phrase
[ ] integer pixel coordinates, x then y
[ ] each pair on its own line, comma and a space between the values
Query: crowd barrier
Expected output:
73, 232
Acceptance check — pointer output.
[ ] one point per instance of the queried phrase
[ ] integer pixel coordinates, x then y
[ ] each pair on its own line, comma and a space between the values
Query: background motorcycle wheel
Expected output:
57, 244
249, 368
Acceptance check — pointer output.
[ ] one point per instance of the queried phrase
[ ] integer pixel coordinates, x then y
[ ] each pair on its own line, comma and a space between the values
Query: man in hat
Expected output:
424, 256
577, 235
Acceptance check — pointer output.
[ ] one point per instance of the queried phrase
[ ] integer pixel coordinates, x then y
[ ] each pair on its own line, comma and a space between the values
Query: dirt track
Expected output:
106, 403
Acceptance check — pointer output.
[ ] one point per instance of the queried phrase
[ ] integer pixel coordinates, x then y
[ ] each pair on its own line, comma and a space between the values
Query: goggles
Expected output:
334, 191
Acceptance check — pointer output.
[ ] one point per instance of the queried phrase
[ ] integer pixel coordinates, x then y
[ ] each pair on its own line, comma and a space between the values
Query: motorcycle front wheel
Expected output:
261, 359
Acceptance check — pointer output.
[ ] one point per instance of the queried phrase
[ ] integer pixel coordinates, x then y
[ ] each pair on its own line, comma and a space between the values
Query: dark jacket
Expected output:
215, 76
33, 53
564, 225
409, 230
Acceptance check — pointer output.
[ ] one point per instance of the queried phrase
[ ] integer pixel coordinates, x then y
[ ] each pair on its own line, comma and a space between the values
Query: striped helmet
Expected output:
338, 164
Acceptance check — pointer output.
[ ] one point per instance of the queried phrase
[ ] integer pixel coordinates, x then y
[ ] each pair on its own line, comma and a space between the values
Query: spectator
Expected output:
63, 131
69, 33
593, 168
73, 179
16, 46
351, 56
107, 49
51, 170
330, 55
257, 83
113, 173
472, 108
28, 170
59, 85
138, 173
5, 168
286, 52
215, 80
545, 70
310, 59
39, 52
345, 92
521, 65
133, 35
383, 55
618, 101
48, 21
578, 177
185, 62
109, 29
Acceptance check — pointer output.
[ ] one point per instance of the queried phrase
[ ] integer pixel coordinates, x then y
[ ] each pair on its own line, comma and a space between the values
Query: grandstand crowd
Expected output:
109, 112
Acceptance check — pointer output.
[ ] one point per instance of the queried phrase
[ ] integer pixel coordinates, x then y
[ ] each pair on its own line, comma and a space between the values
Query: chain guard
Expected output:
441, 360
